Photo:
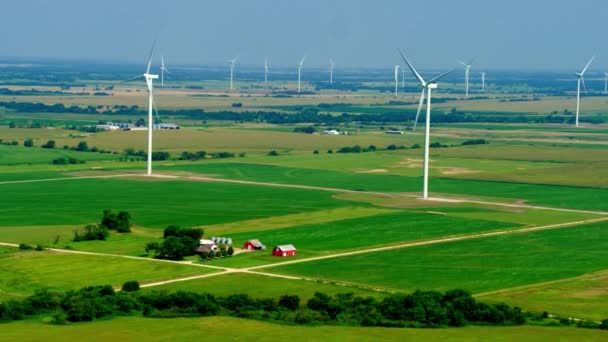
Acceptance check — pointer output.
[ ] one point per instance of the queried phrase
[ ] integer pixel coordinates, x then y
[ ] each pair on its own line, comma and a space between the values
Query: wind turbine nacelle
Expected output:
151, 76
432, 86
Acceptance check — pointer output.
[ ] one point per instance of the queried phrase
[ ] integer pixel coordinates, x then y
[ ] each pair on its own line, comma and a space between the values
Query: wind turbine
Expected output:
162, 71
300, 72
266, 70
149, 82
403, 79
331, 71
467, 66
606, 83
426, 86
396, 79
483, 81
581, 79
232, 63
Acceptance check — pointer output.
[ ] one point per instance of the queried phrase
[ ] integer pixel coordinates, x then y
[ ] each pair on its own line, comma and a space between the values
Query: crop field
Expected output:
519, 218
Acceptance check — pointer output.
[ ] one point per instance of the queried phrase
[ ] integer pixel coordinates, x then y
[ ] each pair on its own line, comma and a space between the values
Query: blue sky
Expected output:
530, 34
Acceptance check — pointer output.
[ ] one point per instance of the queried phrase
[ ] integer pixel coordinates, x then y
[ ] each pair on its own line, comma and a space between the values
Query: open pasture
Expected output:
478, 265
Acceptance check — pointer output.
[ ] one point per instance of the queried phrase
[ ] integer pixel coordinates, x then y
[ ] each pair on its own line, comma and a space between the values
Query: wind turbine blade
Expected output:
420, 79
419, 108
150, 56
471, 61
588, 63
461, 62
302, 61
583, 82
131, 79
435, 79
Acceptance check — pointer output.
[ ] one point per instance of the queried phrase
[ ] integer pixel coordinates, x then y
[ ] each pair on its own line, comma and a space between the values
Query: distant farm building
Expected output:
125, 126
331, 132
394, 132
166, 126
205, 245
284, 250
254, 244
222, 240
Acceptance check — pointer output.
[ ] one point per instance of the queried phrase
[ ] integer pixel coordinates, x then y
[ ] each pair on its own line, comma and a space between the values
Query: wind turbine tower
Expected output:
606, 83
396, 79
232, 63
265, 70
331, 71
581, 79
163, 69
403, 79
483, 81
467, 67
300, 72
426, 87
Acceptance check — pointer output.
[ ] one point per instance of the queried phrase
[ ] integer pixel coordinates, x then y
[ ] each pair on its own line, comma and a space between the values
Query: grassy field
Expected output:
477, 265
152, 203
227, 328
15, 155
21, 273
585, 296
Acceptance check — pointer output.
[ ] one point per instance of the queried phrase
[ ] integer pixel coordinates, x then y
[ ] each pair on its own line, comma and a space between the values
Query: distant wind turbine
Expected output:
300, 72
426, 86
580, 80
606, 83
149, 82
265, 69
403, 79
467, 66
232, 63
331, 71
162, 71
396, 79
483, 81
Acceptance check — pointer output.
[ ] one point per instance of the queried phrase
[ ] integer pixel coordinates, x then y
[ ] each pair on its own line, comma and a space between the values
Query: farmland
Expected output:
518, 218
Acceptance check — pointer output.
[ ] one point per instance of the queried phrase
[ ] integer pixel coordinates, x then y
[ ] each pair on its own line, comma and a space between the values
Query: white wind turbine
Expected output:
426, 86
483, 81
266, 70
232, 63
396, 79
606, 83
581, 79
149, 82
331, 71
162, 71
467, 66
300, 72
403, 79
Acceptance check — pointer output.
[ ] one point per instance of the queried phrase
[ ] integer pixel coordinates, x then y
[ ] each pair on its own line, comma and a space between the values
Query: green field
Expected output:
21, 273
478, 265
227, 328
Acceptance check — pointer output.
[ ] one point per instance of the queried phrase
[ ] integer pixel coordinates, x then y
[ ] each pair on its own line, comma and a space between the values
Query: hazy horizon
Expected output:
523, 35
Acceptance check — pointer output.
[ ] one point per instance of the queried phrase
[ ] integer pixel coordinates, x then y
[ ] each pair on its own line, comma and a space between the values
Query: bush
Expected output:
91, 232
273, 153
130, 286
289, 302
82, 147
120, 222
391, 147
39, 248
25, 247
230, 251
49, 144
28, 142
315, 152
604, 324
475, 142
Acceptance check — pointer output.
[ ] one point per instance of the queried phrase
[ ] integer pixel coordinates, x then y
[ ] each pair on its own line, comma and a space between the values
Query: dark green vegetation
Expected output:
478, 265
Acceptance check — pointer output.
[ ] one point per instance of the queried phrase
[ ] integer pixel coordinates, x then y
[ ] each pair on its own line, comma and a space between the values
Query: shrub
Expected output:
120, 222
28, 142
289, 302
25, 247
130, 286
273, 153
39, 248
604, 324
91, 232
315, 152
230, 251
49, 144
391, 147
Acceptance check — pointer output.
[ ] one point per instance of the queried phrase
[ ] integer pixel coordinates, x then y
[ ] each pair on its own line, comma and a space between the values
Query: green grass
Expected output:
582, 297
152, 203
477, 265
549, 195
21, 273
235, 329
371, 231
265, 287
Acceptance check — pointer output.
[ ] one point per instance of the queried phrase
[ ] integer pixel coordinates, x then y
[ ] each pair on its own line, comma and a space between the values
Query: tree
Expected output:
130, 286
230, 251
173, 248
151, 246
28, 142
123, 222
273, 153
49, 144
140, 122
290, 302
82, 146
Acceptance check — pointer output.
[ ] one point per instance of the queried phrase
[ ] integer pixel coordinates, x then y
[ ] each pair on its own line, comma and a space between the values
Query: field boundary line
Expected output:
432, 242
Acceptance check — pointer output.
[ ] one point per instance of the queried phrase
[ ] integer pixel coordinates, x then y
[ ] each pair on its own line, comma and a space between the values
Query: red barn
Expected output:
284, 250
254, 245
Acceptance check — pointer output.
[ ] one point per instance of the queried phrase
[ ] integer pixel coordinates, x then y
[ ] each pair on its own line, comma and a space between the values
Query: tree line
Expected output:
430, 309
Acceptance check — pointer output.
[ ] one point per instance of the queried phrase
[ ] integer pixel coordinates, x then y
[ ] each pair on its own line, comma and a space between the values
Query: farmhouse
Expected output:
207, 245
284, 250
331, 132
254, 244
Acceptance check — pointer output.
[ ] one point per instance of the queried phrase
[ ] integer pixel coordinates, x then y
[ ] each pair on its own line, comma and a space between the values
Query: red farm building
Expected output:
284, 250
254, 245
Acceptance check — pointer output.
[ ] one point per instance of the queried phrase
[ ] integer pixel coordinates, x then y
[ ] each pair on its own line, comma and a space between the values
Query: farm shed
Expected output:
254, 244
284, 250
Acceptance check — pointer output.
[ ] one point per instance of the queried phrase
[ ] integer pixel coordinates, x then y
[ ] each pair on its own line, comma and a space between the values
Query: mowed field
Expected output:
355, 219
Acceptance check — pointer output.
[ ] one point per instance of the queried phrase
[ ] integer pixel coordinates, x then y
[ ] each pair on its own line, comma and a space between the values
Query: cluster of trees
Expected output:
162, 155
371, 148
221, 253
177, 243
475, 142
120, 222
306, 130
64, 161
419, 309
9, 142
